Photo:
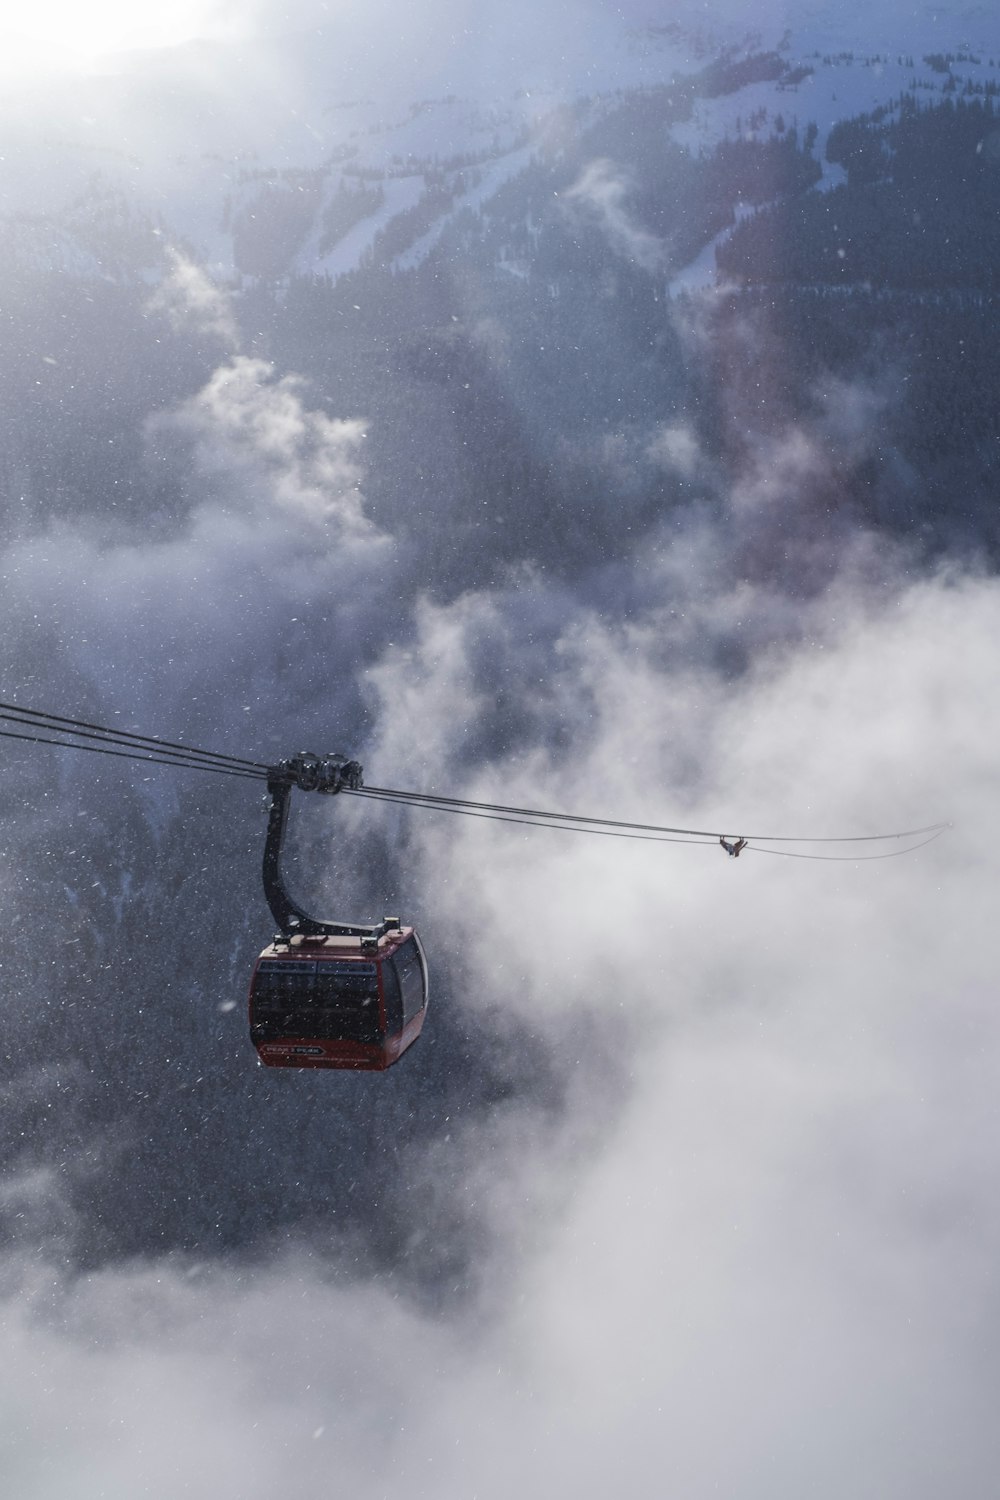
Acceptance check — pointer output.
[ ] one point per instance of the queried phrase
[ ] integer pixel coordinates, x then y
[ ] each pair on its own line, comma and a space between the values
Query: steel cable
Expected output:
647, 833
552, 819
83, 729
177, 761
81, 734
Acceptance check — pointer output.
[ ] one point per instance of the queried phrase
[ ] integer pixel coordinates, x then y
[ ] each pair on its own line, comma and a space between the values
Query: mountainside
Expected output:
524, 298
354, 171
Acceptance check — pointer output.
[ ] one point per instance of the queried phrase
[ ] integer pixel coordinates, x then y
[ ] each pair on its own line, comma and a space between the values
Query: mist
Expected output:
767, 1204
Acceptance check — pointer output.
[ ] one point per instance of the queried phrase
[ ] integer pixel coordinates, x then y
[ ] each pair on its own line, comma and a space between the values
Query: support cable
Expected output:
83, 729
563, 826
151, 760
888, 854
552, 819
81, 734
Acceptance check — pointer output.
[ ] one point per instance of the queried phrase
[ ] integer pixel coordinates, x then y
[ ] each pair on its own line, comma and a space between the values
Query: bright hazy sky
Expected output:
65, 32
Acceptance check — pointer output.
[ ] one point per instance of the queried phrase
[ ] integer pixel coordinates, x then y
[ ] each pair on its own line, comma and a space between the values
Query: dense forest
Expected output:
919, 212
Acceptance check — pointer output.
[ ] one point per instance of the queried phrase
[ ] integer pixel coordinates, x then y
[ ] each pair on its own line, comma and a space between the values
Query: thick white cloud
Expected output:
191, 300
601, 192
270, 561
764, 1266
255, 432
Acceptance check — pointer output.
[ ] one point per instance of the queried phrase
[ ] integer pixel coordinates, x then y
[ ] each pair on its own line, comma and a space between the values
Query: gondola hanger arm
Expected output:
309, 773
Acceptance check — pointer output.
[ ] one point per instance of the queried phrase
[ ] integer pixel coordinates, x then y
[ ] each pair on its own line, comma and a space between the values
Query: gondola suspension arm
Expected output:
310, 773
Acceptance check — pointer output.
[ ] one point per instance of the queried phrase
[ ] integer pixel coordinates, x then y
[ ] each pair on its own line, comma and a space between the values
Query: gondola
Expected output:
330, 994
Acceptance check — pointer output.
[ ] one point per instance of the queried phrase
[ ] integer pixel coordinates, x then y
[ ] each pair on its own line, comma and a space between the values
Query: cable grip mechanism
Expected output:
317, 773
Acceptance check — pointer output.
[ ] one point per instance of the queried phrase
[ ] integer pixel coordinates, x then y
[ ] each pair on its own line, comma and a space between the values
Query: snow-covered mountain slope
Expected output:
313, 153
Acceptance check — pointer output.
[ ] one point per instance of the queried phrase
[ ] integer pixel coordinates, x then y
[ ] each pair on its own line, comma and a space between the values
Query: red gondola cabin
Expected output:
332, 1001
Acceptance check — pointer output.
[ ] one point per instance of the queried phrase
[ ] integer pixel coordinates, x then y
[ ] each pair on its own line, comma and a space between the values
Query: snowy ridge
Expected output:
835, 87
252, 194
